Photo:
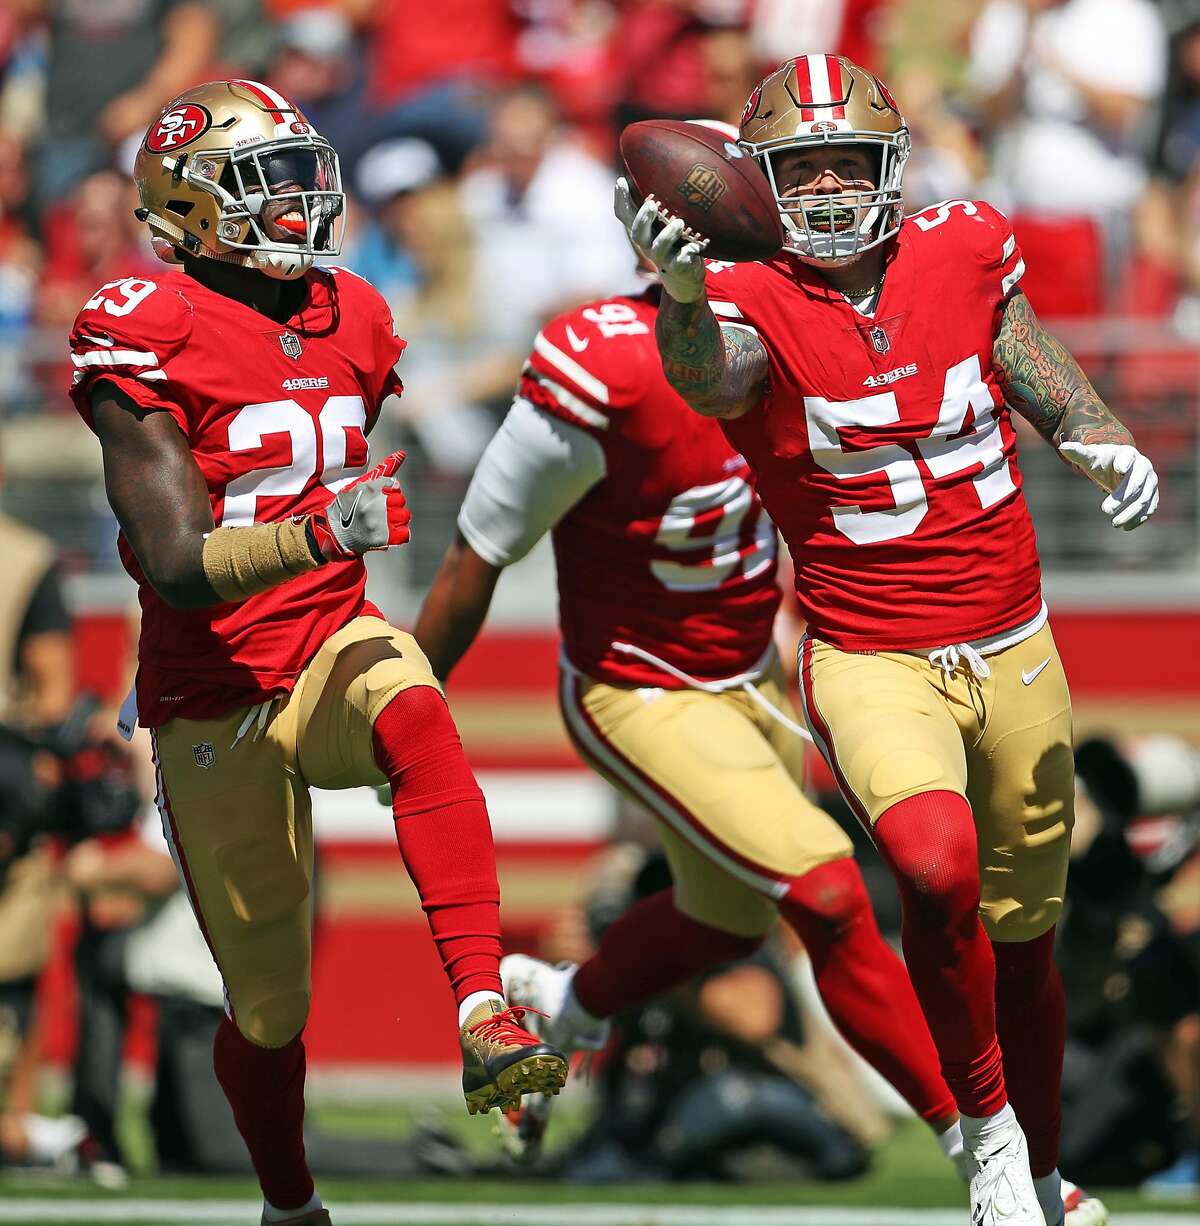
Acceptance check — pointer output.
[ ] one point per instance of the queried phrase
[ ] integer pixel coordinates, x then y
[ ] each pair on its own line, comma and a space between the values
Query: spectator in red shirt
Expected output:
92, 239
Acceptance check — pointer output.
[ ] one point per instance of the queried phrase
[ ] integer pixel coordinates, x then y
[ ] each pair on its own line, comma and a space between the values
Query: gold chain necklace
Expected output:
863, 293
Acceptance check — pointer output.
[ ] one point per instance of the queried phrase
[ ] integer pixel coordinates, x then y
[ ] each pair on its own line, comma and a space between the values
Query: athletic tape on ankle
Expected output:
241, 562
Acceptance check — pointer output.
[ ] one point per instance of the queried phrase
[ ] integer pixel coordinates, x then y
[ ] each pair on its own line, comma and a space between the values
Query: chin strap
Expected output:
280, 265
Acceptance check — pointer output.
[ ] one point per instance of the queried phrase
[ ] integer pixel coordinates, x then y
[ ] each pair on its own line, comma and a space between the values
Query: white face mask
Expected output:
297, 183
832, 231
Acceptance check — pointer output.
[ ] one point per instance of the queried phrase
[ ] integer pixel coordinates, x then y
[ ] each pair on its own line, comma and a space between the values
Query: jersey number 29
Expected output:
341, 426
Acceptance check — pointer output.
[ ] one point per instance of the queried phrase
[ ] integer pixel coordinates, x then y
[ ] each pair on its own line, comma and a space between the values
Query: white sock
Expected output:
977, 1129
474, 1001
1049, 1194
271, 1214
951, 1142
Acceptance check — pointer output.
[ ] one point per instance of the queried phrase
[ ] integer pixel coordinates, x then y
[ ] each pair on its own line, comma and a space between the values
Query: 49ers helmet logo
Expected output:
751, 104
178, 127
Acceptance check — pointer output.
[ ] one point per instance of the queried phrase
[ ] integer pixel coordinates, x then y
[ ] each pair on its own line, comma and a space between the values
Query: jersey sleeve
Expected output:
132, 333
535, 469
588, 365
996, 250
389, 348
385, 347
730, 293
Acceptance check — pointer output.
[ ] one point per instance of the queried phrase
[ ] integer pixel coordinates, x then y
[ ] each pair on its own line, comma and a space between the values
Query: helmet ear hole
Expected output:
181, 208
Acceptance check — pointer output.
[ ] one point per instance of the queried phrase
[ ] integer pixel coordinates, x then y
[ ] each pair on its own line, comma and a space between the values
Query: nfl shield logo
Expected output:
204, 754
702, 187
879, 340
289, 342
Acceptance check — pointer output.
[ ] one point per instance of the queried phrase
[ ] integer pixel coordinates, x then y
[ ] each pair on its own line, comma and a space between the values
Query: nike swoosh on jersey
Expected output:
347, 517
1030, 677
576, 344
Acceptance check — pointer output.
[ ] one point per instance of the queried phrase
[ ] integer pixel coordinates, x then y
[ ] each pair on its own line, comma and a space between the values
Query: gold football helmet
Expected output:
829, 100
233, 171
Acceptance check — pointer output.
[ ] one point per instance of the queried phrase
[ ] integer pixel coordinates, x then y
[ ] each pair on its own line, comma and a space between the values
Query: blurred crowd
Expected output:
478, 141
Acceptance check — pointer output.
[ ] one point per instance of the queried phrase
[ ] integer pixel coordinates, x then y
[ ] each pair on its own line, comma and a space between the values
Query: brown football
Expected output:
701, 176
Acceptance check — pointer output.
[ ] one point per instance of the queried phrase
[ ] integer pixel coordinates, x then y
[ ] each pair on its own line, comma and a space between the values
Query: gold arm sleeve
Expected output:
241, 562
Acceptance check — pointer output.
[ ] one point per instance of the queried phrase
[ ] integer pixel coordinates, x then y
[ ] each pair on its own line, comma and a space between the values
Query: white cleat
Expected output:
1080, 1209
545, 990
1002, 1191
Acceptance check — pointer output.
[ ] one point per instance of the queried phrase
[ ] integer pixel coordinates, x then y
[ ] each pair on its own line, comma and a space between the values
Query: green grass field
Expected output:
909, 1183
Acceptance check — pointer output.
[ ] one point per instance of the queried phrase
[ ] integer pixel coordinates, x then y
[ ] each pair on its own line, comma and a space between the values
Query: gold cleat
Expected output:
502, 1060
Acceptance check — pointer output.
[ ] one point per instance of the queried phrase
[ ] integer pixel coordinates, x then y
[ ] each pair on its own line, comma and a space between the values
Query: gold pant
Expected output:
892, 725
725, 781
239, 820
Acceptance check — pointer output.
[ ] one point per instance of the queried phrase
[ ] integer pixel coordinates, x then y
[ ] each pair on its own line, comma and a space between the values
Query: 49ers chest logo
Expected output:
702, 187
178, 127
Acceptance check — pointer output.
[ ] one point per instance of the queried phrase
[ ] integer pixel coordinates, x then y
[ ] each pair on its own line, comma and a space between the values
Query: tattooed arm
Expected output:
1044, 383
720, 372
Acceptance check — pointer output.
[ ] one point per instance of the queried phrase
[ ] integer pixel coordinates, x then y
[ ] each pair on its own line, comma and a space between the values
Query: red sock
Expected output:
929, 842
444, 835
649, 950
1031, 1017
265, 1088
864, 984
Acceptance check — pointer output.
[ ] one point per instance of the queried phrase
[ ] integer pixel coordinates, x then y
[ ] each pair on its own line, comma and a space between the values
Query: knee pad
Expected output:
1018, 923
276, 1021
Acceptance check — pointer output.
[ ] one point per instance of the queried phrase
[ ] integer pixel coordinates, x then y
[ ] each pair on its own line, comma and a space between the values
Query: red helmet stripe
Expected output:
271, 103
804, 87
833, 67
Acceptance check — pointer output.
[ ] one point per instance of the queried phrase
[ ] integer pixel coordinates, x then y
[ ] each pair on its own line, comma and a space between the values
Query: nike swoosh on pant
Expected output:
1030, 677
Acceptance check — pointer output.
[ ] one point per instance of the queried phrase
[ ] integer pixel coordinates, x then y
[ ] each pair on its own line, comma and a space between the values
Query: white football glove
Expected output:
680, 262
1123, 471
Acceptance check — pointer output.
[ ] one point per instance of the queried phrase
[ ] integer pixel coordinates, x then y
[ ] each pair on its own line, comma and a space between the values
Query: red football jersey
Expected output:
884, 450
277, 417
670, 550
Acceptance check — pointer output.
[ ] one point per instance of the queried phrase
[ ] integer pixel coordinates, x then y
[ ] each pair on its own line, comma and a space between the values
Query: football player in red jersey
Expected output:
232, 397
671, 688
868, 378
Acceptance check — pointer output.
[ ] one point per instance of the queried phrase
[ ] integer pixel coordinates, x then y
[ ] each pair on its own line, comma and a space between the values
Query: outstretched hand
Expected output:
1126, 474
678, 259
